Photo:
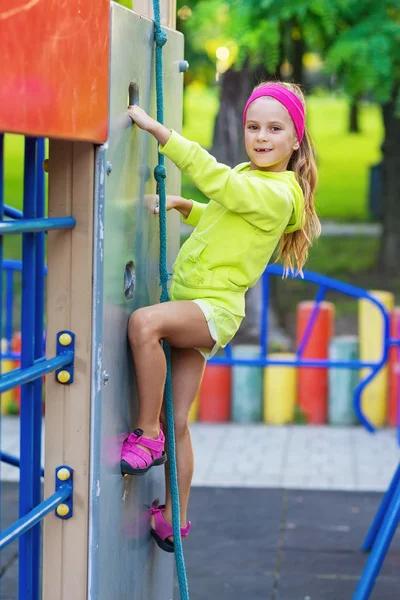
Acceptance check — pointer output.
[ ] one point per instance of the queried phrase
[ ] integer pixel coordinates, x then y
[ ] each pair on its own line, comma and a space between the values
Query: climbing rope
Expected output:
160, 174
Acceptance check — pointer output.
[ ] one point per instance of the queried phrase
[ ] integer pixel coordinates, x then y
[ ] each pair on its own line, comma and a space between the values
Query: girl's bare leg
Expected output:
187, 372
183, 325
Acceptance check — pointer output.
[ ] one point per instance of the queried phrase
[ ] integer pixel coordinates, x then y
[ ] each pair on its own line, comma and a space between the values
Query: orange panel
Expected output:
55, 68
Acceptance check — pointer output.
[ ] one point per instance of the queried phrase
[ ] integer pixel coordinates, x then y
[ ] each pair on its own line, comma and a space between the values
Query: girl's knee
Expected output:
141, 325
181, 424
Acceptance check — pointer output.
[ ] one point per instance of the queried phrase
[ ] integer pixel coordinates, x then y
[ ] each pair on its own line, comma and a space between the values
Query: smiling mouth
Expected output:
263, 150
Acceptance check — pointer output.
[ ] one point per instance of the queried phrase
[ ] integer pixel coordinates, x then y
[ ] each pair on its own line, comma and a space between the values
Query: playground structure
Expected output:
318, 354
103, 232
99, 168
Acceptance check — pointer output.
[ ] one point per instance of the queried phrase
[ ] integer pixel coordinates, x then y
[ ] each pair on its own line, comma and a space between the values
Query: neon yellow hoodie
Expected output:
237, 231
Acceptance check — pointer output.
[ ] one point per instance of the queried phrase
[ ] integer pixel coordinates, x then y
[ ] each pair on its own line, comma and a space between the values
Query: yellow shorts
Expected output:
222, 325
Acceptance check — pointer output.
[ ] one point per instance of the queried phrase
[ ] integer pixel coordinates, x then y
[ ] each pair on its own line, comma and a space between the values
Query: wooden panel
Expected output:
69, 306
55, 68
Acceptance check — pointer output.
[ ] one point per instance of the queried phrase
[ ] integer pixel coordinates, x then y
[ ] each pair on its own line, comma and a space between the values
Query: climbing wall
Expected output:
123, 559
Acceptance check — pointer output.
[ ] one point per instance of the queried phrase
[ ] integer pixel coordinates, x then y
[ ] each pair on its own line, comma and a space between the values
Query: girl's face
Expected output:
269, 134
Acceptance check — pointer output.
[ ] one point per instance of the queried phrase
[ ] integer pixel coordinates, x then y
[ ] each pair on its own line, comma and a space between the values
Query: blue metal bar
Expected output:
40, 367
11, 356
14, 461
11, 263
12, 212
38, 354
381, 545
16, 265
28, 543
25, 523
264, 314
321, 293
376, 524
318, 279
28, 225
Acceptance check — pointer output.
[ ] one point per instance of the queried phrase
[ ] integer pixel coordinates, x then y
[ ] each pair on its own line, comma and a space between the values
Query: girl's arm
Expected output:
145, 122
177, 202
189, 209
264, 204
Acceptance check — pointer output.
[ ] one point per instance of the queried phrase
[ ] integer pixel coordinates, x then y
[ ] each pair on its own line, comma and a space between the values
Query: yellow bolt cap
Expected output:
63, 474
63, 377
62, 510
65, 339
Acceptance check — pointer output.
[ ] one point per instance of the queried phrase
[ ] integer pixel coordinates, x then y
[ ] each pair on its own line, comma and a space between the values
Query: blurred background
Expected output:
344, 54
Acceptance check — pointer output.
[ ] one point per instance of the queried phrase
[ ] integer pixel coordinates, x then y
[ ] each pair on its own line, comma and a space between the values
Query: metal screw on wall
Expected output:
183, 66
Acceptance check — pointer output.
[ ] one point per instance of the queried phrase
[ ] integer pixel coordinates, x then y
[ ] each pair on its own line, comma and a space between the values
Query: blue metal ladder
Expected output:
32, 224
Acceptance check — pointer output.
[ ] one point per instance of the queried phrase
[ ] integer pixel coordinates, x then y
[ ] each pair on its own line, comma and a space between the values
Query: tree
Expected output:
266, 33
366, 60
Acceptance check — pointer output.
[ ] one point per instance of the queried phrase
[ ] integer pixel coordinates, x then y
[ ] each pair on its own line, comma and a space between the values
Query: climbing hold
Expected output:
65, 339
183, 66
63, 474
62, 510
63, 376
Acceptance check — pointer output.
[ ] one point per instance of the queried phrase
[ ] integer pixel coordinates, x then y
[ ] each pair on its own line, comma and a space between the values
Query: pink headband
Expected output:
285, 97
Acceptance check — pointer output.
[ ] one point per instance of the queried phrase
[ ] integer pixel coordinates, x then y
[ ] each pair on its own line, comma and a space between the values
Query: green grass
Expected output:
343, 158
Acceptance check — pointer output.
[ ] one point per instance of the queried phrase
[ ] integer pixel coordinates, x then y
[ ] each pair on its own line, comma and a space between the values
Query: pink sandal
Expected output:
135, 460
163, 529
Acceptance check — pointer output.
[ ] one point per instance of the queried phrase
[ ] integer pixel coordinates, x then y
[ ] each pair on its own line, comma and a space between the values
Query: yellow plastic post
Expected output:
194, 410
7, 398
280, 383
370, 325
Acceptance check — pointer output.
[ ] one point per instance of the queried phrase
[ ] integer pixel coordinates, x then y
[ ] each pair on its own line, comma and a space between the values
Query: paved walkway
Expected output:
262, 456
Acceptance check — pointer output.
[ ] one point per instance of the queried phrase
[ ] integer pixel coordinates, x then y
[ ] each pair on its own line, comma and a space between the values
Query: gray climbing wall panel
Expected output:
124, 561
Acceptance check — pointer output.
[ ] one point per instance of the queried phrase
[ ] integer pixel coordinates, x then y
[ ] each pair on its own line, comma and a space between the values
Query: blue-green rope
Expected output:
160, 174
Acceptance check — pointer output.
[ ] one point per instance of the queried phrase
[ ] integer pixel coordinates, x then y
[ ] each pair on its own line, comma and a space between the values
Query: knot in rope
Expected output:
160, 173
160, 36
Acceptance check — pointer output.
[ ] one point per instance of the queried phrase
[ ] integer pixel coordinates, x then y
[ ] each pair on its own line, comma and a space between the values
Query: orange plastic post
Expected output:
313, 381
394, 369
55, 68
215, 394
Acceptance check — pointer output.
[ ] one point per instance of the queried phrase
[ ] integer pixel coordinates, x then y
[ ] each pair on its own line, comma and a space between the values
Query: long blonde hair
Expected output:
293, 247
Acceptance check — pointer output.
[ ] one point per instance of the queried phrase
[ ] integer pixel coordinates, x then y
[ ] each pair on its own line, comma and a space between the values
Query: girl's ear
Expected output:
296, 144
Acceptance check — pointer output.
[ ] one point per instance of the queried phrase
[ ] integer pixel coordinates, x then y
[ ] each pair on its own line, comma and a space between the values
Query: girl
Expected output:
253, 207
